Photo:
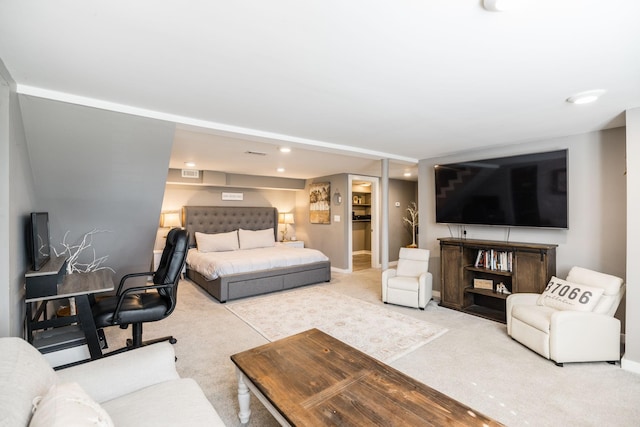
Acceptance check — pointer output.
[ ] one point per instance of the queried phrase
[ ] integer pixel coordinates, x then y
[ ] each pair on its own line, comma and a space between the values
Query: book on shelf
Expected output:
479, 261
494, 260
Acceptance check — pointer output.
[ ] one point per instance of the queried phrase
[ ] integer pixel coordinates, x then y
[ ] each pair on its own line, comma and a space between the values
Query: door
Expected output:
364, 204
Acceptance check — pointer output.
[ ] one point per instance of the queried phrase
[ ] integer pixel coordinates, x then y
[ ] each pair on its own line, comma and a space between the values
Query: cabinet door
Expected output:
451, 275
531, 271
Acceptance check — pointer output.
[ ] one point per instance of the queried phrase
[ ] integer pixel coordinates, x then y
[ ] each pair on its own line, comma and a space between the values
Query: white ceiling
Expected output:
402, 79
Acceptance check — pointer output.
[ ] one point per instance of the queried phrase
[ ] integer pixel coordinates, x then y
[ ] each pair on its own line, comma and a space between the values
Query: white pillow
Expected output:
256, 239
68, 405
219, 242
563, 295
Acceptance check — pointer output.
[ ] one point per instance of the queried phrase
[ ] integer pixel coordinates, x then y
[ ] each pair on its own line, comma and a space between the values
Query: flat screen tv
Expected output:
38, 239
528, 190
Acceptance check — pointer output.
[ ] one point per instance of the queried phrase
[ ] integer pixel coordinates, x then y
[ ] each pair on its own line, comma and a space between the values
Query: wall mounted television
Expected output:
38, 239
528, 190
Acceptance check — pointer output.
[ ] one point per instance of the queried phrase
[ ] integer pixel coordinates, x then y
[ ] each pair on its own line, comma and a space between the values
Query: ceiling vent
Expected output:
255, 153
190, 173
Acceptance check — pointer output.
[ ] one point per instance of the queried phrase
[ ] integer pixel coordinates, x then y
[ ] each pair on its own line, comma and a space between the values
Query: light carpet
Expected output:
381, 333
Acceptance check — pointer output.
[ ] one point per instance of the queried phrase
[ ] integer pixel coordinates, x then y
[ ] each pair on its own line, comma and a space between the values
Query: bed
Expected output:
293, 267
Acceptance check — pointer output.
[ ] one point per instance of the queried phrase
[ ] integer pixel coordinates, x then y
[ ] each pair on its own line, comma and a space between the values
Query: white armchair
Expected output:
572, 320
410, 284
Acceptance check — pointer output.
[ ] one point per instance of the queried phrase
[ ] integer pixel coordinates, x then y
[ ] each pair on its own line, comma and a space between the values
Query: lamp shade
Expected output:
170, 220
285, 218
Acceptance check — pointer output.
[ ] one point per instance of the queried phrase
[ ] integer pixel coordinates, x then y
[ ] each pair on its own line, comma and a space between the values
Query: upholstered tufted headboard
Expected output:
222, 219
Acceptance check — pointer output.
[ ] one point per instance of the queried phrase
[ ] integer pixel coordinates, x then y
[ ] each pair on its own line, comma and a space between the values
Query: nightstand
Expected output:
294, 243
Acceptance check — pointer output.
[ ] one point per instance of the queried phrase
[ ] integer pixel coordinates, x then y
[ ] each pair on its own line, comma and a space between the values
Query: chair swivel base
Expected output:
136, 340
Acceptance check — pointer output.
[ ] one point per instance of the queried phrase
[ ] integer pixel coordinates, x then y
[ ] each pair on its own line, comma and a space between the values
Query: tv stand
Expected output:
470, 279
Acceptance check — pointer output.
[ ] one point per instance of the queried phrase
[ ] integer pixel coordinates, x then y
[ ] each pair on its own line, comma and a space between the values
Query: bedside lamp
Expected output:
170, 220
286, 219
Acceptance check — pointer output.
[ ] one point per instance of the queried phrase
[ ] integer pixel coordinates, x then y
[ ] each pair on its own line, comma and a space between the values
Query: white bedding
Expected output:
215, 264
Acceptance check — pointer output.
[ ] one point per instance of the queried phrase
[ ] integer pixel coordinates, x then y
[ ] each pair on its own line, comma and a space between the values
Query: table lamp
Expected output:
286, 219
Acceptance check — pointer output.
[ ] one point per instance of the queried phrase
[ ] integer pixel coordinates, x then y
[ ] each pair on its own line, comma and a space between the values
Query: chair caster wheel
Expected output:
173, 340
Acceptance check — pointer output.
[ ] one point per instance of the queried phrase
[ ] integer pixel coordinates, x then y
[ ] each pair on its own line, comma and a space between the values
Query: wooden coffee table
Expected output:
313, 379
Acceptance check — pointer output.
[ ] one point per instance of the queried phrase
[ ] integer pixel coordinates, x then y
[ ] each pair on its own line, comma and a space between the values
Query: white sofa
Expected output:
136, 388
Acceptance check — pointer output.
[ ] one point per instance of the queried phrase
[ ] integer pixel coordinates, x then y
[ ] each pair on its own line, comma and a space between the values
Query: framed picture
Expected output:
320, 203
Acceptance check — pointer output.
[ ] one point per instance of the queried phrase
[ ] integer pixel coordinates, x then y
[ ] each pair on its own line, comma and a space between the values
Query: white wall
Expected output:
5, 160
596, 237
631, 359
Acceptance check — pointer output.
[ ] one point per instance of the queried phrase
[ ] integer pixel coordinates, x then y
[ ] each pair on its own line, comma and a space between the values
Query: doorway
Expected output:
363, 228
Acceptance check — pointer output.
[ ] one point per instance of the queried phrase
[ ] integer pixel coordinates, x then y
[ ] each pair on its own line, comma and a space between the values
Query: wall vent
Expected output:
190, 173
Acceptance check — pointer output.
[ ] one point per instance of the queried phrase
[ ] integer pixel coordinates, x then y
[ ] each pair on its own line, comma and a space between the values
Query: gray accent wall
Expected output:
403, 192
17, 199
96, 169
328, 238
178, 195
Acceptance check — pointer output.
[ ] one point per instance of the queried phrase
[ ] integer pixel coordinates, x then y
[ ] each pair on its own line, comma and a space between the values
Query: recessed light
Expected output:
285, 149
586, 96
280, 169
497, 5
190, 164
407, 174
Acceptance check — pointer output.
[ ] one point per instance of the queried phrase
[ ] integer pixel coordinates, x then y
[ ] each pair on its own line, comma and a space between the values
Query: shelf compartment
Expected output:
487, 303
488, 271
487, 293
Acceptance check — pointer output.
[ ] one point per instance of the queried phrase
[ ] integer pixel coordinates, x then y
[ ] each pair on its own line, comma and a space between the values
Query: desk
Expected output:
313, 379
78, 286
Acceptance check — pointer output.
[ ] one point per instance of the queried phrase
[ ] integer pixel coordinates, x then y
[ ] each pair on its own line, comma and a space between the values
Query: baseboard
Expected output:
339, 270
630, 365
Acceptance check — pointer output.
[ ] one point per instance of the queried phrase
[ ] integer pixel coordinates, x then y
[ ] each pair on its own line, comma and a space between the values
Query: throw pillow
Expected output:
219, 242
563, 295
256, 239
68, 405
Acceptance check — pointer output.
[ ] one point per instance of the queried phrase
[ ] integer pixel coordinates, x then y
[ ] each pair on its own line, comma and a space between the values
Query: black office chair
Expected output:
149, 303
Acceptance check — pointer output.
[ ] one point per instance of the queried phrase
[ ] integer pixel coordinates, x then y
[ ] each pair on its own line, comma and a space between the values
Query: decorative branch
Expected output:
412, 221
73, 252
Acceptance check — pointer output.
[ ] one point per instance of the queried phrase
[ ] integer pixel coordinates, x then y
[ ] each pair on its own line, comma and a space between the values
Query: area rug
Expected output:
375, 330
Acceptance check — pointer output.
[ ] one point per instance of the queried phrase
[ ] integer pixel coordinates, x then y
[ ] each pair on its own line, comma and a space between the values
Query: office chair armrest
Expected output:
131, 275
115, 320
